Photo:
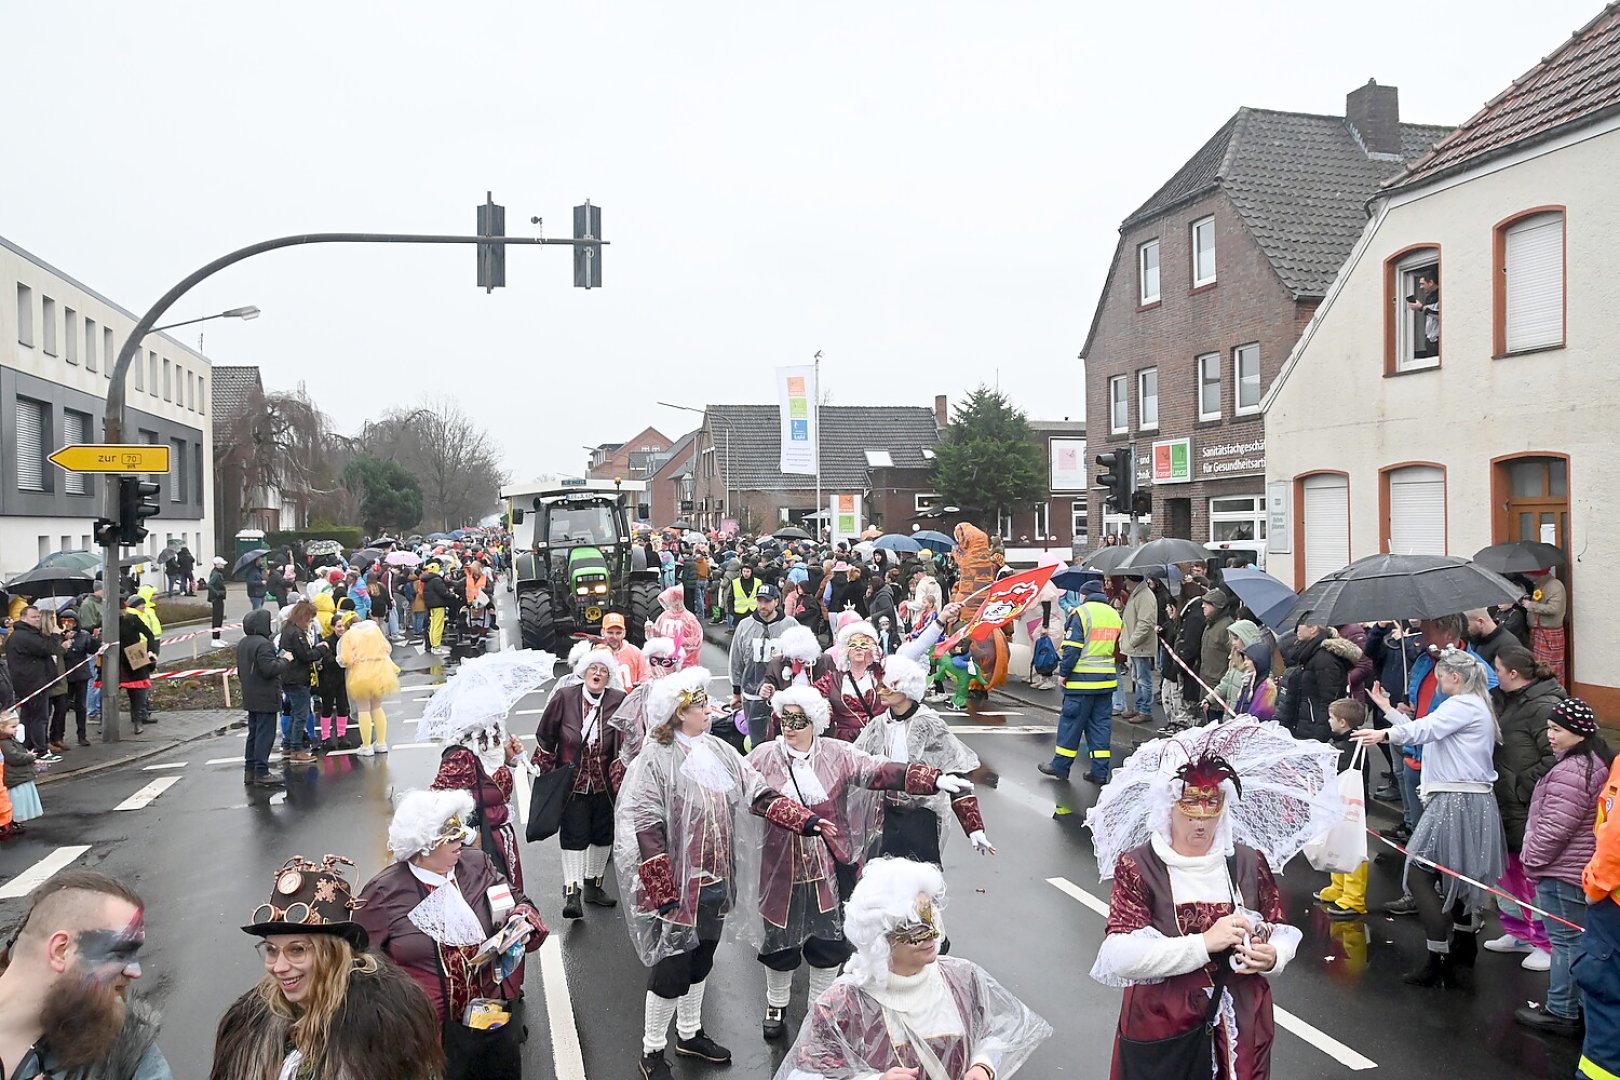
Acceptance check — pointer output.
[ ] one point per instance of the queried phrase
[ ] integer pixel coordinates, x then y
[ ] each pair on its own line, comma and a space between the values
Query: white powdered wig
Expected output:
663, 696
660, 646
419, 820
598, 654
799, 643
906, 676
849, 630
807, 698
884, 900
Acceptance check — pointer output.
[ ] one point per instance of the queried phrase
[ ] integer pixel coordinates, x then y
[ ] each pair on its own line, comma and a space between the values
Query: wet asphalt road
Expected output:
202, 854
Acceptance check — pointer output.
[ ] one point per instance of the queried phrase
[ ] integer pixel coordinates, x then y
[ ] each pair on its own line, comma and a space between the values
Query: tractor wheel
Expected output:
538, 620
644, 609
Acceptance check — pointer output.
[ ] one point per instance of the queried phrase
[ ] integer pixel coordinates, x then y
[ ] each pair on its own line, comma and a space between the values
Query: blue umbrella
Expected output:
1269, 598
933, 541
1073, 578
896, 542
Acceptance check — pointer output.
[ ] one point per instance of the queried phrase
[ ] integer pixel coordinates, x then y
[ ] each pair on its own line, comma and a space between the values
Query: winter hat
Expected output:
1575, 716
1245, 631
1093, 590
425, 819
807, 698
800, 643
905, 676
1217, 599
668, 696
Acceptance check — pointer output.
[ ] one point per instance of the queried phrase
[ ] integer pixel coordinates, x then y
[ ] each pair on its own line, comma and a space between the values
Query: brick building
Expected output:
636, 459
1213, 280
671, 490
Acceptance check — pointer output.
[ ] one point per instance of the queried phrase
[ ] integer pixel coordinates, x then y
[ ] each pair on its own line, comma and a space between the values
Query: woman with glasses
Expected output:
903, 1011
805, 879
326, 1008
436, 912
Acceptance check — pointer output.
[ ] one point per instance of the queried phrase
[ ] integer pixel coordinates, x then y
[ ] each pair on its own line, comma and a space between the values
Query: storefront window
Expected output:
1233, 518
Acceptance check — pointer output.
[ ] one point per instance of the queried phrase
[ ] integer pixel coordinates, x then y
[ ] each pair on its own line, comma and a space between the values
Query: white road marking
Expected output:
143, 798
165, 765
568, 1063
522, 778
1014, 729
1286, 1020
981, 714
41, 872
527, 712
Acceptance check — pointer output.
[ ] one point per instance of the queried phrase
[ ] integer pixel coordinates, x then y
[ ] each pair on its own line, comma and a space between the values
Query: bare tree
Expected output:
447, 451
277, 441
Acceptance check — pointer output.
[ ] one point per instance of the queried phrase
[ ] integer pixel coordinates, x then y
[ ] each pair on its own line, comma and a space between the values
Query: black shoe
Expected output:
1340, 913
1464, 946
774, 1026
595, 894
1388, 793
1537, 1018
1436, 971
1406, 905
1400, 834
1096, 778
655, 1067
268, 780
701, 1046
1045, 769
572, 908
84, 742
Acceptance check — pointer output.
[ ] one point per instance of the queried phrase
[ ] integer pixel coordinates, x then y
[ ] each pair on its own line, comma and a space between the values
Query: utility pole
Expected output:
820, 509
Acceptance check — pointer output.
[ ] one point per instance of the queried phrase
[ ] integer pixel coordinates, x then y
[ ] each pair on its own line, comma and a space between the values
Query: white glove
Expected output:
981, 842
952, 785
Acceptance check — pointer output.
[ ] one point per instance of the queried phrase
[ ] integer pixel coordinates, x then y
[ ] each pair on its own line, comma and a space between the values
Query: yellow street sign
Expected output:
112, 458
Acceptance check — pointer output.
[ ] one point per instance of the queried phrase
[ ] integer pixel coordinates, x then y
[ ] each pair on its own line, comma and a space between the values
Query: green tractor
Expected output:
574, 563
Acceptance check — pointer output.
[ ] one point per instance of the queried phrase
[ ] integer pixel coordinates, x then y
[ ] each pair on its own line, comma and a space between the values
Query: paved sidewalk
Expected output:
167, 731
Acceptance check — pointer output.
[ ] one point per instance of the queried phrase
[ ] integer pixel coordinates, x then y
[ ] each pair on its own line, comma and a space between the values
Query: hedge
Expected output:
347, 535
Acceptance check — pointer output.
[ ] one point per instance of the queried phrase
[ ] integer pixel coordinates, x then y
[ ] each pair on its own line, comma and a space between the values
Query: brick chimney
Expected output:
942, 410
1374, 113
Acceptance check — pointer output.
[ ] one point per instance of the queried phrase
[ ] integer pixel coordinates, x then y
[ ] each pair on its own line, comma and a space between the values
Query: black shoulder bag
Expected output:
550, 792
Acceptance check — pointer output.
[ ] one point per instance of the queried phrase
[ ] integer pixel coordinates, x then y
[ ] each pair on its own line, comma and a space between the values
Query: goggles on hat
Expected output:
795, 718
861, 641
292, 913
1202, 803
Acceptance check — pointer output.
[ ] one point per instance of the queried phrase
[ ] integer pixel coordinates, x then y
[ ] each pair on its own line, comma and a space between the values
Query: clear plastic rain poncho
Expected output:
922, 737
942, 1021
695, 803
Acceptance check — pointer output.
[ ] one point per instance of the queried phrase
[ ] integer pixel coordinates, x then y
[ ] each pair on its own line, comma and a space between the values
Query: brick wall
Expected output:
662, 487
1246, 304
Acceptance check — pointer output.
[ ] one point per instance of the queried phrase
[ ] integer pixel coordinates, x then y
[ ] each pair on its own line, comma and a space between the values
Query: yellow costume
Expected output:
324, 608
367, 658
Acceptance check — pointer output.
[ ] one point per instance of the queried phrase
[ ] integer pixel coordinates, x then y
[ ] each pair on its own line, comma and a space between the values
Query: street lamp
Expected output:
729, 428
247, 313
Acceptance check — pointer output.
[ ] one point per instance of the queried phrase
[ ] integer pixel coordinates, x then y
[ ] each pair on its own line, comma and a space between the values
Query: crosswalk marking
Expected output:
143, 798
42, 871
165, 765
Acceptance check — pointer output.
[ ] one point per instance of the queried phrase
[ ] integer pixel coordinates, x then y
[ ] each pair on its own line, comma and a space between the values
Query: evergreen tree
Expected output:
987, 459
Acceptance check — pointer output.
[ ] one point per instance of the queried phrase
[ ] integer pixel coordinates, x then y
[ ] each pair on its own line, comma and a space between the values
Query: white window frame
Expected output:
1197, 227
923, 501
1409, 323
1119, 405
1238, 408
1546, 294
1206, 363
1079, 523
1142, 293
1255, 516
1142, 421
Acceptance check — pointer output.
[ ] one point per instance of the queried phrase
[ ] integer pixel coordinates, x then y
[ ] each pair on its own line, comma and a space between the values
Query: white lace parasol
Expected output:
1290, 792
484, 689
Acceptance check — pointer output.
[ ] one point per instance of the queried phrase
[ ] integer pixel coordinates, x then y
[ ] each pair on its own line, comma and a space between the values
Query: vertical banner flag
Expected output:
846, 517
796, 391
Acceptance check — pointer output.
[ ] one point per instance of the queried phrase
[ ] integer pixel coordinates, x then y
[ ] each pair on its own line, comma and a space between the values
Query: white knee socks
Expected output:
820, 979
655, 1025
596, 860
778, 984
689, 1011
573, 868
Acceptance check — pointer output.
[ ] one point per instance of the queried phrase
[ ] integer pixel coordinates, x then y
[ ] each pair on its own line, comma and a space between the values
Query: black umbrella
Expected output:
1107, 559
792, 532
1520, 557
1383, 587
247, 560
365, 557
51, 581
1164, 551
681, 525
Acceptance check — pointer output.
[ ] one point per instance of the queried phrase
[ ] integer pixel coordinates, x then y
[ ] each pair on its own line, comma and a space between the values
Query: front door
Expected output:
1533, 504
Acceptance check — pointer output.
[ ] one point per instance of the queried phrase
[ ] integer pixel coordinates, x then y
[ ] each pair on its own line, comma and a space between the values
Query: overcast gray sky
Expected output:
929, 193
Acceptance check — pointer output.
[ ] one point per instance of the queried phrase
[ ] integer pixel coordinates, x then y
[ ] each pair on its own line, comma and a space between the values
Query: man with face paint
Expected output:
1193, 910
576, 730
65, 1003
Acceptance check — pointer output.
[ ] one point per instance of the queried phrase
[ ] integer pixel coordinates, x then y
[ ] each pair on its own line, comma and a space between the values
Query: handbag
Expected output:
1188, 1056
1343, 848
547, 797
137, 655
485, 1053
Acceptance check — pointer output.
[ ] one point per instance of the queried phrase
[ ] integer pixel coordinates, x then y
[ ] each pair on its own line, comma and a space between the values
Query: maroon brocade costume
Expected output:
852, 708
1142, 897
561, 733
460, 770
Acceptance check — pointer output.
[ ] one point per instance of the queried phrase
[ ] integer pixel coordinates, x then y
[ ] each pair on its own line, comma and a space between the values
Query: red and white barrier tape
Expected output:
198, 633
1470, 881
192, 673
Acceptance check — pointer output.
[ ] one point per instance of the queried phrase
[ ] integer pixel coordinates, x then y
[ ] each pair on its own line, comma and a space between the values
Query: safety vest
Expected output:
744, 603
1094, 629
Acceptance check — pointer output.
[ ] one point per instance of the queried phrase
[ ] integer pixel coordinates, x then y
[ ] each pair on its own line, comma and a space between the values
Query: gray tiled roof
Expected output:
234, 385
1299, 181
847, 432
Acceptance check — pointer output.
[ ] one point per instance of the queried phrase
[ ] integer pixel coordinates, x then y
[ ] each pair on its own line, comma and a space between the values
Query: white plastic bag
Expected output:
1343, 848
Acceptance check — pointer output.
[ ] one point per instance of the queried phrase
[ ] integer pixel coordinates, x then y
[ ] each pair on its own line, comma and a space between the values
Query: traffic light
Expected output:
1142, 503
587, 257
137, 501
1116, 482
491, 257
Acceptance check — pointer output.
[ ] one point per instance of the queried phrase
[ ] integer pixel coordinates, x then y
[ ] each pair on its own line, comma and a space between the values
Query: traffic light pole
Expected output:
113, 418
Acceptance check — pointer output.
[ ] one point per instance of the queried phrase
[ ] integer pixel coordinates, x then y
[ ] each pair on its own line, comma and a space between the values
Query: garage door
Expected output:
1327, 526
1417, 510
